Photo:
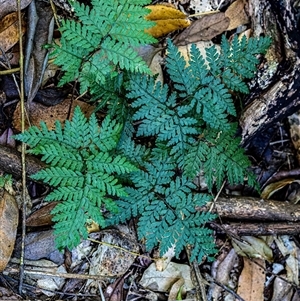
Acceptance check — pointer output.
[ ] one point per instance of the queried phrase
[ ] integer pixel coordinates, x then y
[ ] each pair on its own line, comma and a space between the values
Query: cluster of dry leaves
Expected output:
249, 267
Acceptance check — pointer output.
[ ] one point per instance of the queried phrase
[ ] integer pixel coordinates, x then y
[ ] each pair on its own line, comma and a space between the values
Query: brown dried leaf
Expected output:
39, 112
237, 14
9, 216
9, 31
203, 29
167, 19
8, 20
42, 216
221, 270
8, 6
252, 280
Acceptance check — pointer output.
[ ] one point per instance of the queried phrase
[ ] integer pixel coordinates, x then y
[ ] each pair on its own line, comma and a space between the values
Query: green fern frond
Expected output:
70, 60
84, 170
103, 40
62, 176
159, 115
201, 97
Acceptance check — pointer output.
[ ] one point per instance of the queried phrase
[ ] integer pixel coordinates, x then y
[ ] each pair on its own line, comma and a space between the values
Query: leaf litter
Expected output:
206, 28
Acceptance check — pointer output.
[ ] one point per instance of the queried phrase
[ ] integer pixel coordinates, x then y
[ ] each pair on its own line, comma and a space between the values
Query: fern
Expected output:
102, 41
142, 161
83, 169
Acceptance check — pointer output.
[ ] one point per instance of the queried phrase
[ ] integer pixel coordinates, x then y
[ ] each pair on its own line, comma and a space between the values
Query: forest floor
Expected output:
256, 232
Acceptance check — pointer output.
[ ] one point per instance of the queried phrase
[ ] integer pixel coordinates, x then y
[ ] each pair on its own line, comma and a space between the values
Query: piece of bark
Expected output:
257, 229
10, 163
254, 209
276, 94
272, 106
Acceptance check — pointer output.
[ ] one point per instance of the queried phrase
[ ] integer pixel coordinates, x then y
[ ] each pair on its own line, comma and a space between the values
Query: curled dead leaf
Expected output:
253, 247
176, 289
203, 29
270, 189
9, 216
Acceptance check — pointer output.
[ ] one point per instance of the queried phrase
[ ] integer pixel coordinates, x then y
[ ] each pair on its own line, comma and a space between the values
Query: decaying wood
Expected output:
257, 229
10, 163
254, 209
278, 97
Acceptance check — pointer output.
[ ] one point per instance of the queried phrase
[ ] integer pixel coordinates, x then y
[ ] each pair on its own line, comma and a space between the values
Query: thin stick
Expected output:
9, 71
23, 147
52, 274
216, 197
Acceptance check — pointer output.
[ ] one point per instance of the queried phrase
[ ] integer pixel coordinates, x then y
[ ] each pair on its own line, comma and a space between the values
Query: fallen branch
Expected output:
254, 209
10, 163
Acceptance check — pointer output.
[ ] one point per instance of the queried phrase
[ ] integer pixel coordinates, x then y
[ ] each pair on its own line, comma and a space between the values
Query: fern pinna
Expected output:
84, 170
103, 41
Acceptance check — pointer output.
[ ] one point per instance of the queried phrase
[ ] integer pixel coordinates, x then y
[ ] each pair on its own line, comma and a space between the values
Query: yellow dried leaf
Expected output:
167, 19
164, 27
93, 227
163, 12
